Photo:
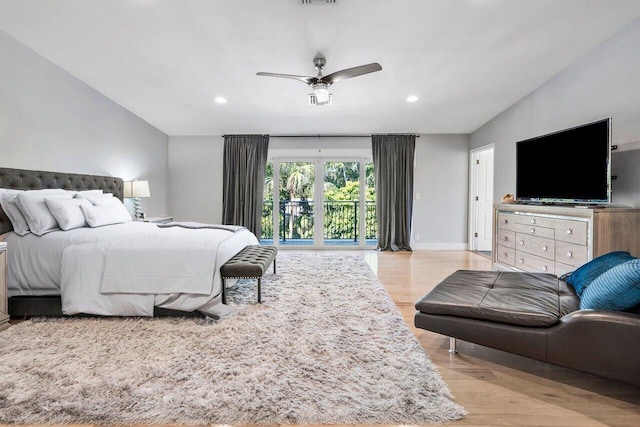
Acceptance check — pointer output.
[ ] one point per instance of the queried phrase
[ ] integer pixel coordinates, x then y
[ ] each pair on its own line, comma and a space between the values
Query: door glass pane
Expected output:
371, 223
341, 203
266, 238
296, 204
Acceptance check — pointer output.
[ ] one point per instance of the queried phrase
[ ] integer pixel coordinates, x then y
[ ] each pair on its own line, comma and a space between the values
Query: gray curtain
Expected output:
245, 158
393, 166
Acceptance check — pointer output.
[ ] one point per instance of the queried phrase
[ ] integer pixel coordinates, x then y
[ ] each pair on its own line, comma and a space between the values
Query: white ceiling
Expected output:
165, 60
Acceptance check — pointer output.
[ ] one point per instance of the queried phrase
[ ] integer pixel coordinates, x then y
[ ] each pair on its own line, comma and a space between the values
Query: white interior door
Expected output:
482, 223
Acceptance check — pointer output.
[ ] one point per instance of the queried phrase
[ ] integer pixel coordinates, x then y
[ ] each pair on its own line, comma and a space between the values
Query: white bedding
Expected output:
125, 269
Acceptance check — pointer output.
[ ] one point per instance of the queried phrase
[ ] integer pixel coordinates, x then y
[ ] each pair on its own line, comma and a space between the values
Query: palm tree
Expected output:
299, 180
296, 182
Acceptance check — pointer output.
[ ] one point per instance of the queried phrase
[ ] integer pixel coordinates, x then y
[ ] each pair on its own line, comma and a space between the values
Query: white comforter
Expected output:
125, 269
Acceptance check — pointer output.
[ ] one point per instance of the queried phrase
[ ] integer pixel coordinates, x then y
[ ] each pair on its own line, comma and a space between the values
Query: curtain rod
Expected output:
329, 136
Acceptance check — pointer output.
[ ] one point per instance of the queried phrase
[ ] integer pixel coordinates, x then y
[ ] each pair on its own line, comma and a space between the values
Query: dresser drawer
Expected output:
571, 231
534, 230
506, 255
570, 253
506, 221
536, 245
538, 221
534, 263
507, 238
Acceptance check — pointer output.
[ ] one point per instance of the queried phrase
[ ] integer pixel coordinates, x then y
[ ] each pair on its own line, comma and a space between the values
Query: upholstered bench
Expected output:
249, 263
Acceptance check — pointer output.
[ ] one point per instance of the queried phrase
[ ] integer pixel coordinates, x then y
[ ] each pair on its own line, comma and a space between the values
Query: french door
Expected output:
319, 203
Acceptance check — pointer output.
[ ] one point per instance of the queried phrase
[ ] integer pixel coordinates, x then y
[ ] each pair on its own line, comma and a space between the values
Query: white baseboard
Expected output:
439, 246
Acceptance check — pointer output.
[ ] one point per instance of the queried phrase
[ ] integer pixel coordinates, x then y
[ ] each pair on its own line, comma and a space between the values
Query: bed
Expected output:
125, 269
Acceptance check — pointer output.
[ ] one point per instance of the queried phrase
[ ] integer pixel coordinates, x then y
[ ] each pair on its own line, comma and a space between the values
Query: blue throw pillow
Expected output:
615, 289
587, 273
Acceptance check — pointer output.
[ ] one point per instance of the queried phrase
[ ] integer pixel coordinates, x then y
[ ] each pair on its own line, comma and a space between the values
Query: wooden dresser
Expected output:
4, 309
558, 239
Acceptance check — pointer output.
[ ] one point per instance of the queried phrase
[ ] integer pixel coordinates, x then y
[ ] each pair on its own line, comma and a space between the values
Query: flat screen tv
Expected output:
571, 166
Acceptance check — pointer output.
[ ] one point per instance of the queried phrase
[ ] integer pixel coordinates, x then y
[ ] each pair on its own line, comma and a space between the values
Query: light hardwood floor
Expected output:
497, 388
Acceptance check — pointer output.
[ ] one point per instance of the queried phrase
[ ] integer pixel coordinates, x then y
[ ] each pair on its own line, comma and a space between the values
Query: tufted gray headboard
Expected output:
22, 179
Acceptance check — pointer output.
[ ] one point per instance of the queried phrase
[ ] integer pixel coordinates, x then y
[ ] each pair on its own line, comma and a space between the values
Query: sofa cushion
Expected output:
516, 298
587, 273
616, 289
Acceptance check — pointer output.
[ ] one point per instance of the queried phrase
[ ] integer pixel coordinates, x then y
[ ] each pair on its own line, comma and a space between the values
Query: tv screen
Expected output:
570, 166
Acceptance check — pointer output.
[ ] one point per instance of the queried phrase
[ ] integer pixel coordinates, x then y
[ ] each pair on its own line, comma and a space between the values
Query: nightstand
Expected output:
158, 219
4, 304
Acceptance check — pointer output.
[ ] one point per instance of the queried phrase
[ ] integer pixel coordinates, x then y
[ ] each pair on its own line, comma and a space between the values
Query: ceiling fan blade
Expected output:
351, 72
303, 79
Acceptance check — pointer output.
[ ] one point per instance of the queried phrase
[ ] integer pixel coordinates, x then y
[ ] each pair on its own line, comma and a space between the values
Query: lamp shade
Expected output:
136, 189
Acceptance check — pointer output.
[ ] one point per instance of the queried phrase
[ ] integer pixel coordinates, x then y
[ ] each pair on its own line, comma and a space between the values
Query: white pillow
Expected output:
37, 213
99, 199
88, 192
10, 208
67, 212
9, 191
47, 191
99, 215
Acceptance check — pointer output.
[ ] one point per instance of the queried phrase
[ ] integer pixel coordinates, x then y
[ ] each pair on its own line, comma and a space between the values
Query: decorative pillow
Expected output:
9, 206
67, 212
99, 215
587, 273
615, 289
37, 213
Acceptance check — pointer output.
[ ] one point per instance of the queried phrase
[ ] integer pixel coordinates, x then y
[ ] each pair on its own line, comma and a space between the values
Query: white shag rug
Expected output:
327, 346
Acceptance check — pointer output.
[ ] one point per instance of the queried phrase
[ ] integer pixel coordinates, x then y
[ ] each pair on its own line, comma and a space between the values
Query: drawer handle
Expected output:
521, 260
533, 221
533, 230
545, 268
545, 248
506, 255
569, 231
506, 221
522, 242
506, 238
570, 254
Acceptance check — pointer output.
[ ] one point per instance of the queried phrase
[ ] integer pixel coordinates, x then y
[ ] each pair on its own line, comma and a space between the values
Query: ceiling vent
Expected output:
313, 100
310, 2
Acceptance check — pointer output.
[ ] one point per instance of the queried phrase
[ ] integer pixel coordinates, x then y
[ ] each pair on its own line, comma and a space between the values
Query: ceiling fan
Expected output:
320, 84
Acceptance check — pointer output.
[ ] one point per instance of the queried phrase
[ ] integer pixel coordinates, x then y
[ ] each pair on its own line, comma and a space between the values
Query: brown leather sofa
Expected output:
535, 315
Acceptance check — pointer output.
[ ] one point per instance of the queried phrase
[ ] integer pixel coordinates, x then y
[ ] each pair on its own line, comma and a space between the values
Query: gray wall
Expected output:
50, 120
626, 189
440, 215
441, 180
195, 184
604, 83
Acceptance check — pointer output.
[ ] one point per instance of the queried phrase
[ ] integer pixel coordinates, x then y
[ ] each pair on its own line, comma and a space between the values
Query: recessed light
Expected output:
220, 100
412, 98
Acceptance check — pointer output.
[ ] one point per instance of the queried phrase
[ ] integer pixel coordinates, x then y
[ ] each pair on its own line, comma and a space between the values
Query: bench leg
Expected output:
259, 291
224, 294
452, 346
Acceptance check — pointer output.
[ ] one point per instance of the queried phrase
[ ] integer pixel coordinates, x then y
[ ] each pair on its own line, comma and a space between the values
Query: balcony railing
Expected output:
341, 220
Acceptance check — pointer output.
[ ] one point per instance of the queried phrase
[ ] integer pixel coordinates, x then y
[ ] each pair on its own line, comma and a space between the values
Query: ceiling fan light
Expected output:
321, 90
313, 100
